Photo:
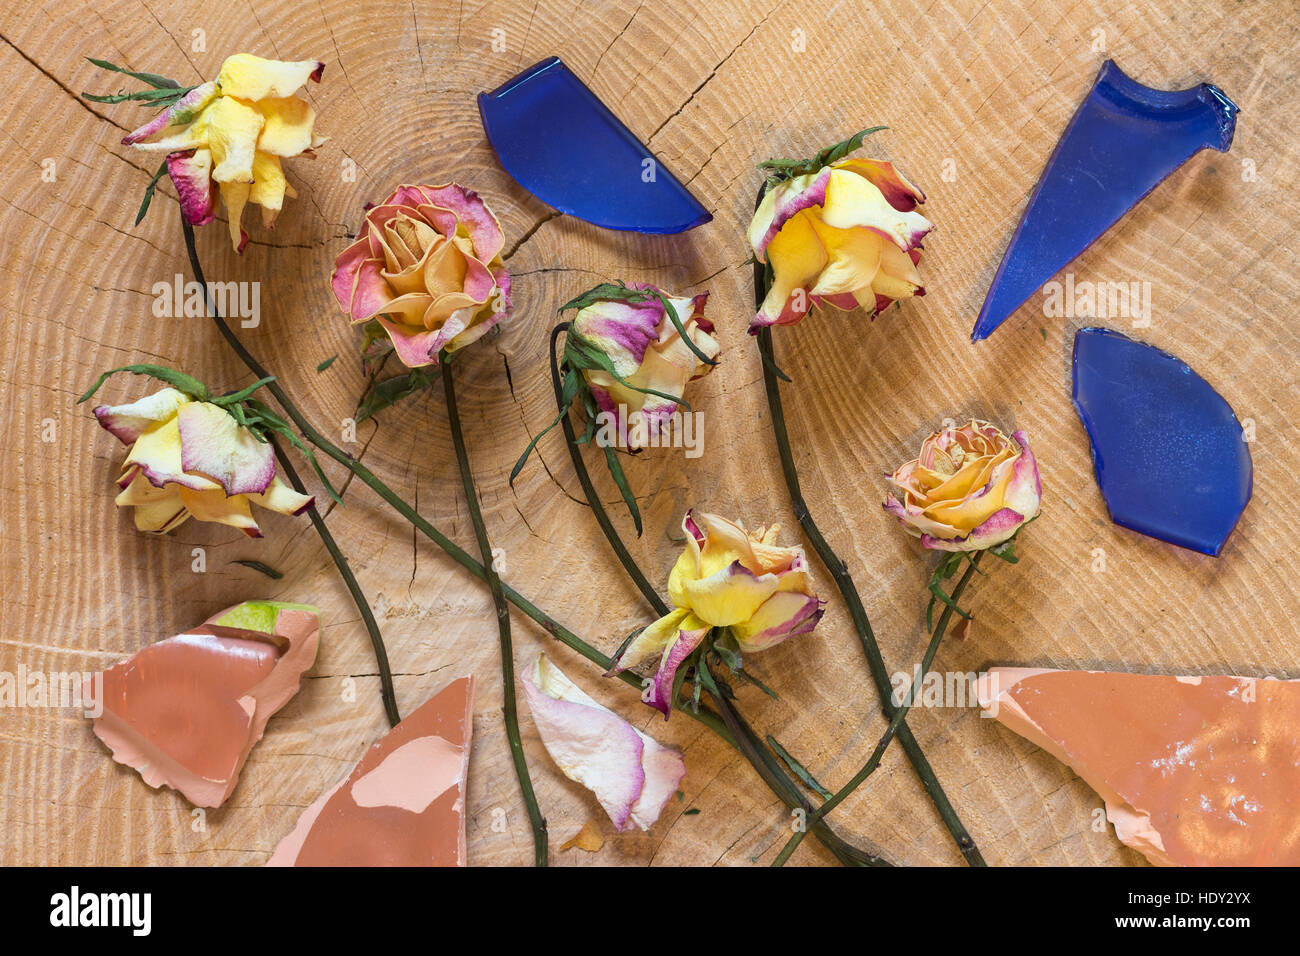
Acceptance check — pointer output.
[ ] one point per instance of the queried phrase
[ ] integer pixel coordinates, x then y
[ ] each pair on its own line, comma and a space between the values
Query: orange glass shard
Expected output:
1195, 771
404, 804
186, 711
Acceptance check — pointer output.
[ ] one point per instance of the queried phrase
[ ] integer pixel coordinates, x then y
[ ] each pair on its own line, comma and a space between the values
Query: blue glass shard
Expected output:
1123, 141
564, 146
1169, 452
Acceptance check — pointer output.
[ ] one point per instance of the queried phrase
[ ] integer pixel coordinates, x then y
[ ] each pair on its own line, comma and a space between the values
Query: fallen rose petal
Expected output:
630, 773
589, 838
186, 711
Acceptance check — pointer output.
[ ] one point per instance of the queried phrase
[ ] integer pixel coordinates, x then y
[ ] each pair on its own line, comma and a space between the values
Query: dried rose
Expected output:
725, 578
970, 488
233, 132
846, 235
427, 266
187, 458
650, 357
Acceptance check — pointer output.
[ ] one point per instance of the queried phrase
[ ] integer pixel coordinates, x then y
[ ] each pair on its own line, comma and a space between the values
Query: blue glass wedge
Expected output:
1169, 453
565, 147
1123, 141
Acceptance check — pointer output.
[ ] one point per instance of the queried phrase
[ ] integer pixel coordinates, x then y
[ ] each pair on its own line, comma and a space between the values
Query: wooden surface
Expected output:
980, 91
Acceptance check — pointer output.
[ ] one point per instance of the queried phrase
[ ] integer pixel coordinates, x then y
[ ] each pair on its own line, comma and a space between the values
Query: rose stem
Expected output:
746, 741
358, 596
790, 797
509, 706
318, 522
452, 550
771, 773
874, 761
584, 478
840, 572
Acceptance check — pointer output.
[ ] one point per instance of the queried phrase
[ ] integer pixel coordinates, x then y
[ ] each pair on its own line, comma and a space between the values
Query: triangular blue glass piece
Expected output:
1123, 140
1170, 456
564, 146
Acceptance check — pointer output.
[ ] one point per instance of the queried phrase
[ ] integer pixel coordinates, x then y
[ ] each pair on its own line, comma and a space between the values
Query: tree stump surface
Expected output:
975, 94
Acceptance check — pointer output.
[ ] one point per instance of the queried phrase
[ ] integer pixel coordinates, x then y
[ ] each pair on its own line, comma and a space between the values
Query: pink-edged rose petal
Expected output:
631, 774
191, 174
127, 422
213, 444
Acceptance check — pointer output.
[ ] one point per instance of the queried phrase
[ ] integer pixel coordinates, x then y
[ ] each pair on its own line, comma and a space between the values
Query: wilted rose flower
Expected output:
971, 488
726, 578
631, 773
632, 329
427, 266
187, 458
846, 235
234, 132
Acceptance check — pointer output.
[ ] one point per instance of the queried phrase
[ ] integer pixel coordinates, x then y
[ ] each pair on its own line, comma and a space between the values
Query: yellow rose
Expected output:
233, 132
970, 488
187, 458
726, 578
846, 235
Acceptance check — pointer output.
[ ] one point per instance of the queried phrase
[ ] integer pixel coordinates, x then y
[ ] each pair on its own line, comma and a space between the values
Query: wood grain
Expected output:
978, 90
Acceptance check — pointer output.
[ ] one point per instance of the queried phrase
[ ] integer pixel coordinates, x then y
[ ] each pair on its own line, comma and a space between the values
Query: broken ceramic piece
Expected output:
1195, 771
1123, 141
562, 144
404, 803
185, 712
1170, 456
631, 774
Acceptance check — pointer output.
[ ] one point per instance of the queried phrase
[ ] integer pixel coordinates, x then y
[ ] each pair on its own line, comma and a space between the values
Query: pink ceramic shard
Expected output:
1195, 771
185, 712
404, 803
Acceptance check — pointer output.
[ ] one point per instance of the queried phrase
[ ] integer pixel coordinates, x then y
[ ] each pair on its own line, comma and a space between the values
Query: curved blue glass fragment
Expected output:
1124, 139
564, 146
1169, 453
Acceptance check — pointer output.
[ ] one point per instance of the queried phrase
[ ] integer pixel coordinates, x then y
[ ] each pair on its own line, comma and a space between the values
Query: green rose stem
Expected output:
770, 771
900, 714
840, 572
368, 478
509, 705
584, 479
708, 718
746, 740
358, 596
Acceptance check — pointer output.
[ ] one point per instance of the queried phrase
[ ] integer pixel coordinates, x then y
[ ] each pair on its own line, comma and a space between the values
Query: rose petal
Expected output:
215, 445
590, 744
250, 77
179, 114
659, 694
191, 174
287, 127
784, 615
127, 422
233, 127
